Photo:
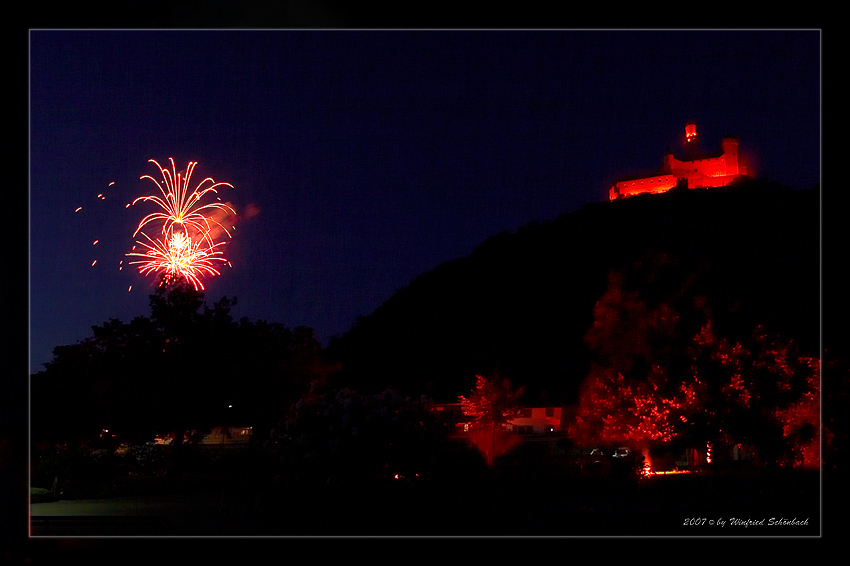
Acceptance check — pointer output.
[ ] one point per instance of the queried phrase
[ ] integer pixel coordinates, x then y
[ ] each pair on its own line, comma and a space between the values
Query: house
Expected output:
531, 420
217, 436
695, 170
537, 420
227, 436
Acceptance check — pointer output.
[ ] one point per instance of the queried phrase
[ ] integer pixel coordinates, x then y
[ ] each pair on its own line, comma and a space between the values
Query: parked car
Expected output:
597, 462
620, 460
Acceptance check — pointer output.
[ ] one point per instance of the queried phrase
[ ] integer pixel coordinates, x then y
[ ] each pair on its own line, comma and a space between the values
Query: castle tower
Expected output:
691, 149
730, 153
690, 132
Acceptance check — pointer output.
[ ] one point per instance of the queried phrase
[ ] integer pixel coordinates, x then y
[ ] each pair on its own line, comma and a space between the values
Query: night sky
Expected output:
362, 159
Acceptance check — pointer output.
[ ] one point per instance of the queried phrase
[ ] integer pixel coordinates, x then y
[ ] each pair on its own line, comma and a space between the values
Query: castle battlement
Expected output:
699, 171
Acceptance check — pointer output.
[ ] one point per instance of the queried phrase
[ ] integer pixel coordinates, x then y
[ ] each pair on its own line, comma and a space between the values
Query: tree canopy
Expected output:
186, 366
663, 374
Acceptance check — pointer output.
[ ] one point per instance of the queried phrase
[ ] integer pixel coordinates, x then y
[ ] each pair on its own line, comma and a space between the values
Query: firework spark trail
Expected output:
190, 251
180, 206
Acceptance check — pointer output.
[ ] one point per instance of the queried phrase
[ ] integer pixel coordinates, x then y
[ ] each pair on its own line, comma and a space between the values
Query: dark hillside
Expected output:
522, 302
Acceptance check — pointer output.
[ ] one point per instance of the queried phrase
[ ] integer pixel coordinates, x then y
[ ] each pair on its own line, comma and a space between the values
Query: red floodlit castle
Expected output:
699, 170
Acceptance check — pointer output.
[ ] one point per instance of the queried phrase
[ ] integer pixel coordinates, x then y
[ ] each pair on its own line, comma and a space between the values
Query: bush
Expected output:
343, 434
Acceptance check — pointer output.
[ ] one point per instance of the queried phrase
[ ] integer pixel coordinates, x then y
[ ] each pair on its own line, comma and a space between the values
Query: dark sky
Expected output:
361, 159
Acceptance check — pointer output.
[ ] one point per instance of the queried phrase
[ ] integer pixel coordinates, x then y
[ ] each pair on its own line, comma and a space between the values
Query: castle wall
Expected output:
653, 185
699, 169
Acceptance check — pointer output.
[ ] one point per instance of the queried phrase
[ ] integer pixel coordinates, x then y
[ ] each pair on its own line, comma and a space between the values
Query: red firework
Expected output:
186, 243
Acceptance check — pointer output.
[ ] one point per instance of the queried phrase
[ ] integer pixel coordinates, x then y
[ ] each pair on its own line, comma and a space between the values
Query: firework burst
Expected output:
181, 206
180, 256
185, 246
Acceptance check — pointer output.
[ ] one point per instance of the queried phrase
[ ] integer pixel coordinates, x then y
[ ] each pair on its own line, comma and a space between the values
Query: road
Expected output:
147, 515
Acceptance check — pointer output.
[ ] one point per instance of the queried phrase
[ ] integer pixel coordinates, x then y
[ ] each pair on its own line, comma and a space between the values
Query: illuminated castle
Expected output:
699, 170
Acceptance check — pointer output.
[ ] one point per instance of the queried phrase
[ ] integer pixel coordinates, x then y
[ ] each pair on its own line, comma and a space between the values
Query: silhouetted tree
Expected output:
188, 366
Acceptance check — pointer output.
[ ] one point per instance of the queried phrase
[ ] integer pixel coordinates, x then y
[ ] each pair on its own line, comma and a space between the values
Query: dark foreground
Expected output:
775, 504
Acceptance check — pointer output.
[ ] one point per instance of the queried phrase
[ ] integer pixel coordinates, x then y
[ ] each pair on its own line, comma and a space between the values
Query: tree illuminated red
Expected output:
722, 392
490, 406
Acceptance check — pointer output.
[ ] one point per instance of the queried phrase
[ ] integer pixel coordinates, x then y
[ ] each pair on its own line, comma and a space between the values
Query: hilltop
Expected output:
522, 302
